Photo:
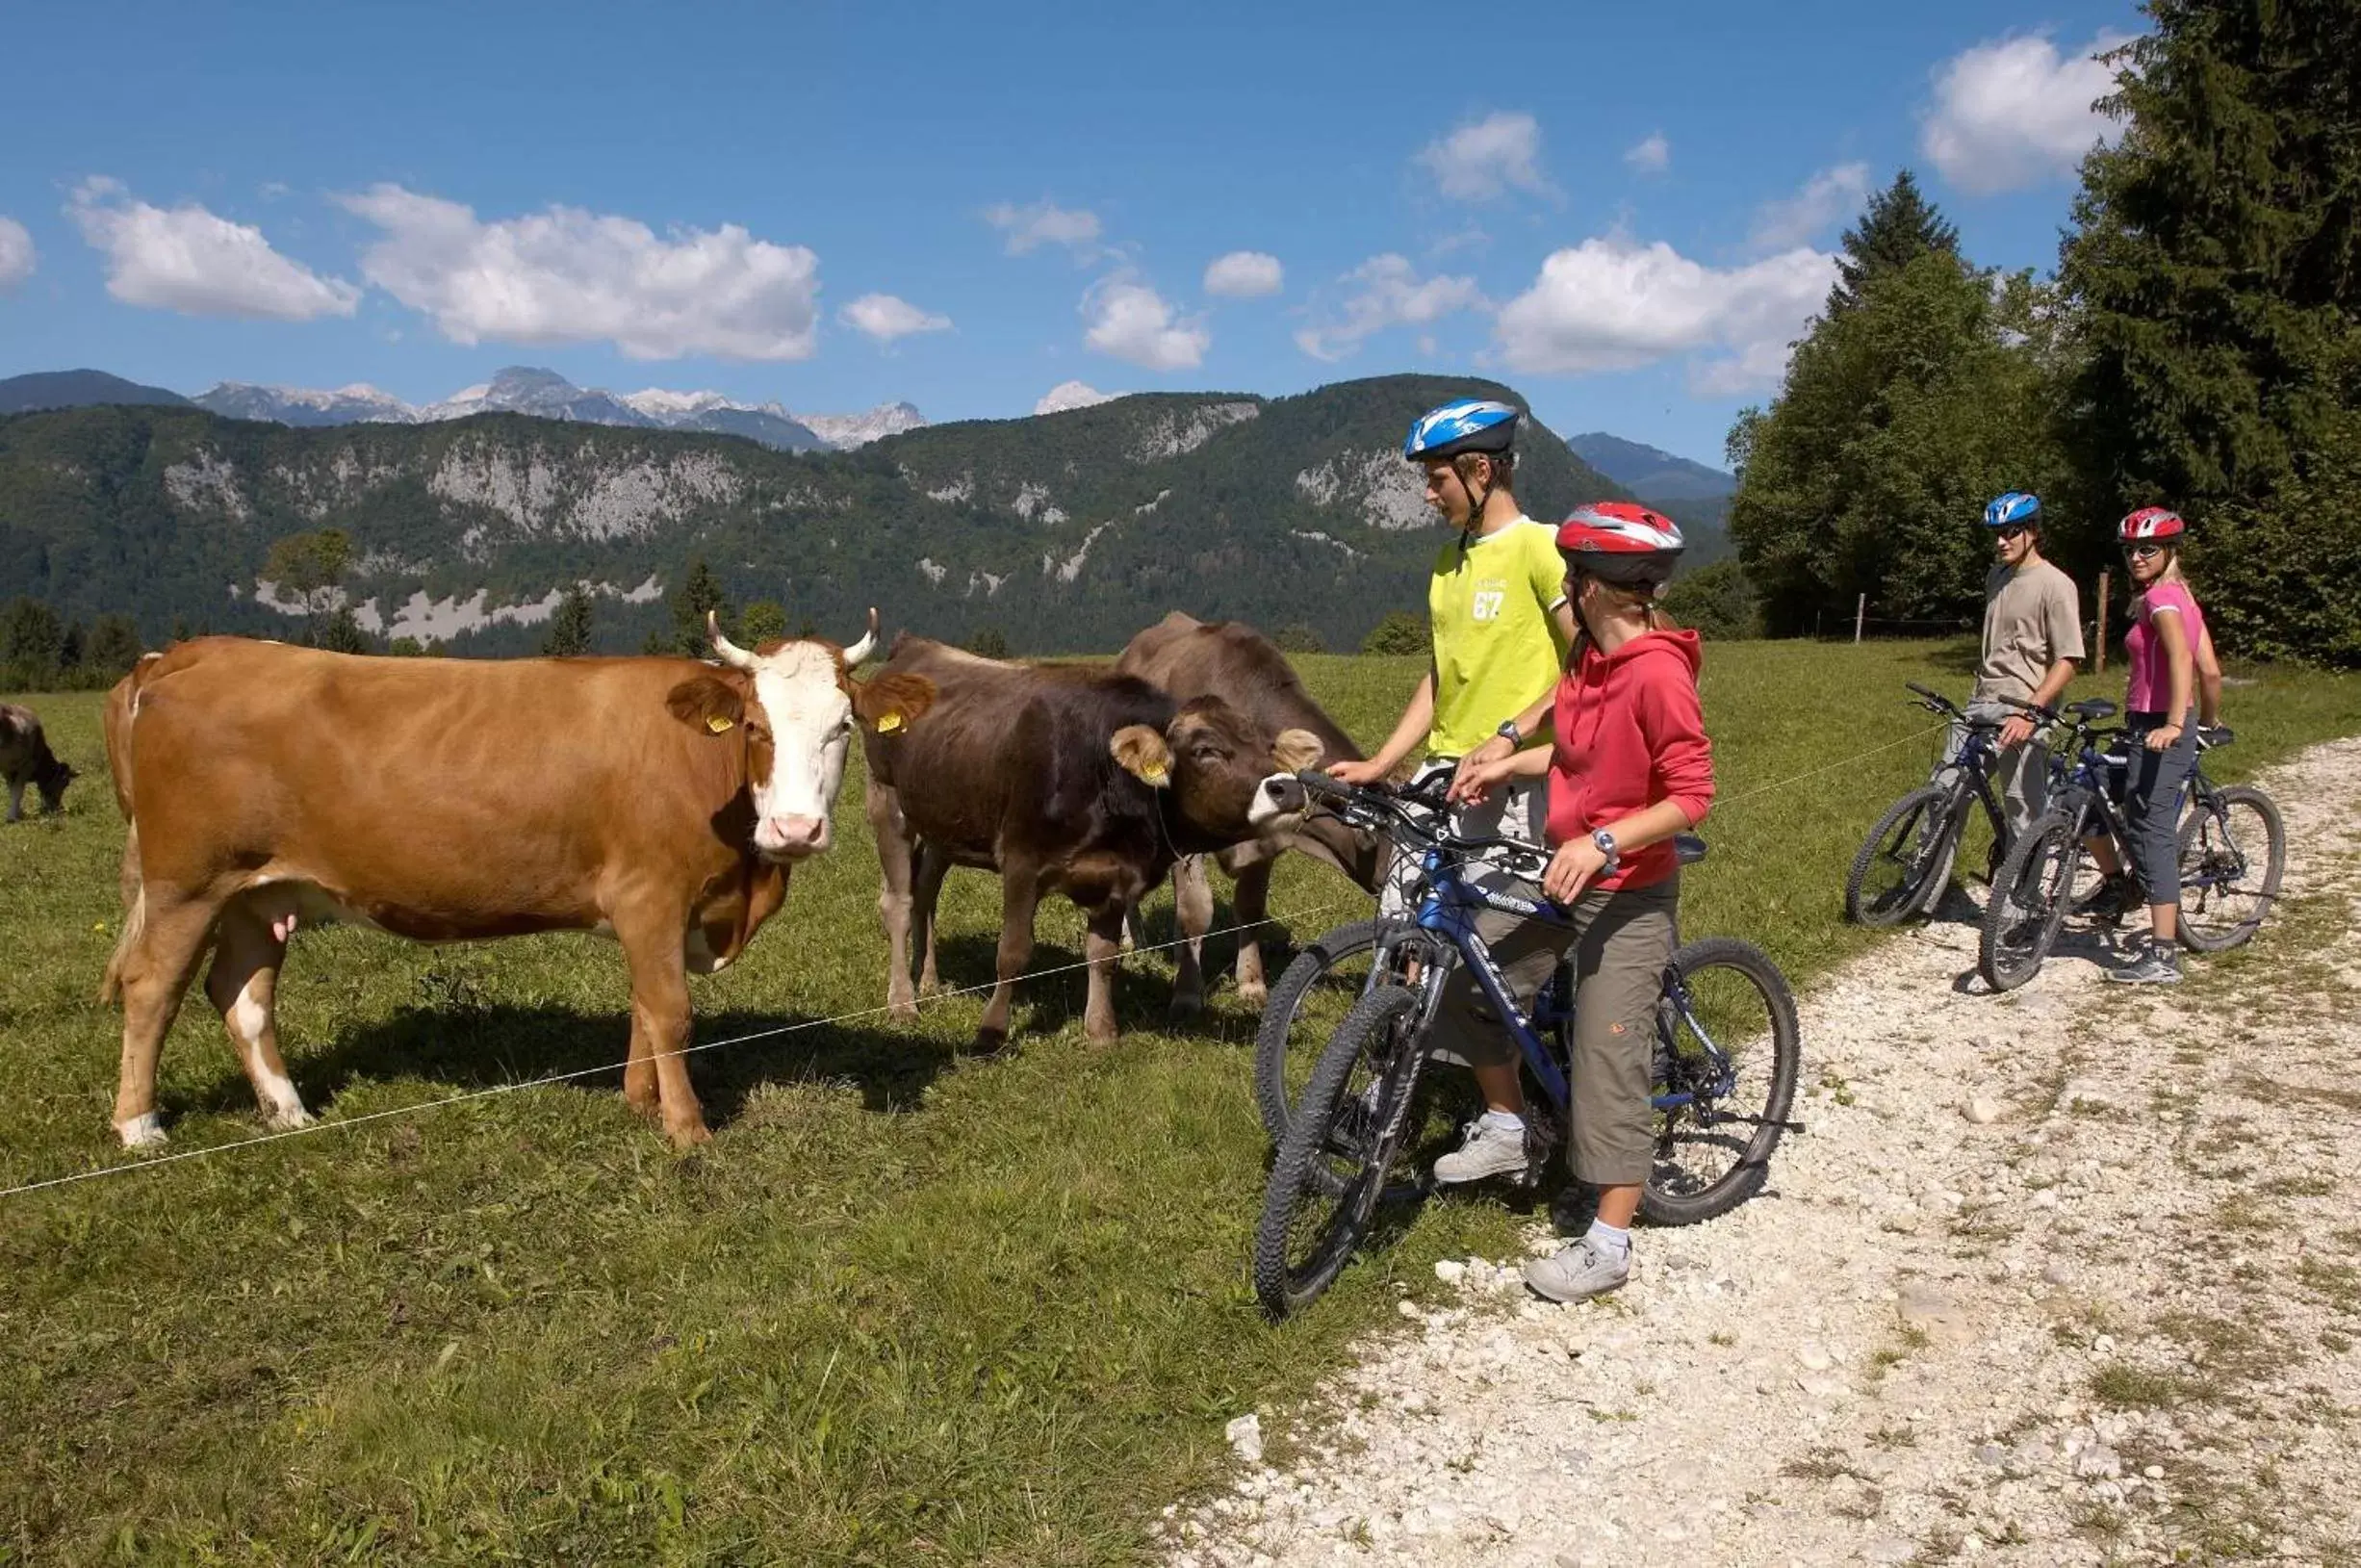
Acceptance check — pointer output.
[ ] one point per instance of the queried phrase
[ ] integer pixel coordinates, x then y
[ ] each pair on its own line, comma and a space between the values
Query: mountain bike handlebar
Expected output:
1377, 807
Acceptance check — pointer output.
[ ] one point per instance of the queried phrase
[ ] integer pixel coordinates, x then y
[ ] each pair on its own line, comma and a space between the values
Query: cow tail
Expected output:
134, 920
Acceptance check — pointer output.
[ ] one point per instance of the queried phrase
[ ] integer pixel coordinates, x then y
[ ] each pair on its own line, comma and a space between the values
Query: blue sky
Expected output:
1624, 211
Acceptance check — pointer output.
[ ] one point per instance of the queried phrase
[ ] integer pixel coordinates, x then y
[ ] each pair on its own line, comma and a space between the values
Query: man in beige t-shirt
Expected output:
2032, 641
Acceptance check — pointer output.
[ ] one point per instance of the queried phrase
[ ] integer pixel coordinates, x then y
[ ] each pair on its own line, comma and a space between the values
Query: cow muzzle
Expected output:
1279, 803
791, 838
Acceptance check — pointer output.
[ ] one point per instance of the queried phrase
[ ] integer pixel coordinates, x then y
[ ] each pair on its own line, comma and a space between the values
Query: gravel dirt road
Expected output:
2071, 1276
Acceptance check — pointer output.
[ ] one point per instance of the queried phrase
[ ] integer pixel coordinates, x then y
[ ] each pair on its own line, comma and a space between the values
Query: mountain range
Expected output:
1065, 531
518, 389
1650, 470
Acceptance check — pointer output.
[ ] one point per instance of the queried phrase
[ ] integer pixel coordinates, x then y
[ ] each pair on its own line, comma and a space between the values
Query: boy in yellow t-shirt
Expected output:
1500, 623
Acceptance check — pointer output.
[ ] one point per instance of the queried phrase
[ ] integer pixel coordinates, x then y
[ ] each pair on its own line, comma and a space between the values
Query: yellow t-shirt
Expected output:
1497, 646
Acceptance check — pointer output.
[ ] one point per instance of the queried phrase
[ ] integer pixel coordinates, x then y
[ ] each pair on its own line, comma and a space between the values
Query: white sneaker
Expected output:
1579, 1272
1488, 1150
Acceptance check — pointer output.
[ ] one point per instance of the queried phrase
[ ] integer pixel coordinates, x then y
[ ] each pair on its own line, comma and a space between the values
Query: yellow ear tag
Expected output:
1155, 774
718, 725
888, 723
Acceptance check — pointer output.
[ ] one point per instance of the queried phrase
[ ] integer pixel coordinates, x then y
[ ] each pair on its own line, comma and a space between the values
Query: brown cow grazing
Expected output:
1061, 778
25, 758
1192, 658
662, 799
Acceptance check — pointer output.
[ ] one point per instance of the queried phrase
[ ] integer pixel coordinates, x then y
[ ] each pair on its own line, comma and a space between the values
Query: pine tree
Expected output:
1898, 226
569, 628
701, 592
2216, 268
763, 621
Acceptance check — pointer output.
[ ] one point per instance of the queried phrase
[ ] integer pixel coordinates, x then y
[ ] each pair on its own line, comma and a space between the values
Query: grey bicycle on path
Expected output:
1905, 863
1727, 1057
2232, 853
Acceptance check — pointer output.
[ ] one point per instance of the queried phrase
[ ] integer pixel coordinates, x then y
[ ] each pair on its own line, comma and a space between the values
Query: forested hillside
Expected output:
1068, 531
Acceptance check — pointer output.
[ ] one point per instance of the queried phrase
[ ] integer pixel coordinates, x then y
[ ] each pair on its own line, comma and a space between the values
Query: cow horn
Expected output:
855, 655
731, 654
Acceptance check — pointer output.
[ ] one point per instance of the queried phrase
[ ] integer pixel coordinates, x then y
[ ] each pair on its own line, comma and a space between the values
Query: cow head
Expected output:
1214, 759
792, 706
51, 782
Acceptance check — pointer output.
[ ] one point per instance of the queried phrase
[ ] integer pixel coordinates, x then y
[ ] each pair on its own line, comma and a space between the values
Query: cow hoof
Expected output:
691, 1135
991, 1041
647, 1105
142, 1131
1187, 1007
289, 1118
1253, 996
1099, 1034
902, 1012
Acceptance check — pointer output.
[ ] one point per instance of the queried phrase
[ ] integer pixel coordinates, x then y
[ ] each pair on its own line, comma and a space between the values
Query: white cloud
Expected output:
1043, 222
187, 260
1068, 395
2015, 111
1243, 275
566, 276
1386, 291
1653, 156
1832, 195
1480, 160
1608, 304
1131, 322
16, 254
885, 318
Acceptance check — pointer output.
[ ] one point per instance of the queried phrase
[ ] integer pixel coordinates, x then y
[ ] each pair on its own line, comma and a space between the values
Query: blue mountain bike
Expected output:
1727, 1059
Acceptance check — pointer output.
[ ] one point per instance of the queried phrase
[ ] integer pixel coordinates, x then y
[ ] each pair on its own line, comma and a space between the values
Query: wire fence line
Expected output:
155, 1162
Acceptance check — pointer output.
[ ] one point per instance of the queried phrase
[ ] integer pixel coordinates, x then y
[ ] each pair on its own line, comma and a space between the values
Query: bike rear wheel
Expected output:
2029, 904
1340, 1138
1301, 1015
2233, 851
1901, 865
1728, 1054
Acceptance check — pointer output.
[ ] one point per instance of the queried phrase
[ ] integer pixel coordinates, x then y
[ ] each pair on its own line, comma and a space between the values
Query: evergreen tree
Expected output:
1398, 633
340, 634
31, 640
2216, 268
569, 628
1899, 226
989, 642
113, 648
700, 592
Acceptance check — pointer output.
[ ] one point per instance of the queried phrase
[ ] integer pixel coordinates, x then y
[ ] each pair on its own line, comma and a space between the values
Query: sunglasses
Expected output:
2014, 530
2140, 553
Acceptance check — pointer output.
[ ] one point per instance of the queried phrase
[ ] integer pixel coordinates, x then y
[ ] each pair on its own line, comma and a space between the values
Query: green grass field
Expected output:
905, 1307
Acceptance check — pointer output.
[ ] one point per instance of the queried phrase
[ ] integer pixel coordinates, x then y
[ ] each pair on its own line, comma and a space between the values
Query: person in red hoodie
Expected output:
1630, 767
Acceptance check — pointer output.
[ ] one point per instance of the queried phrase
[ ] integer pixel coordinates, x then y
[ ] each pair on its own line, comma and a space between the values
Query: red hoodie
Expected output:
1630, 734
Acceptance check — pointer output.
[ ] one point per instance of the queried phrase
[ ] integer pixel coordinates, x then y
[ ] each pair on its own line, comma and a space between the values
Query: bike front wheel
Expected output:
2233, 851
1331, 1166
2030, 900
1901, 865
1301, 1015
1728, 1053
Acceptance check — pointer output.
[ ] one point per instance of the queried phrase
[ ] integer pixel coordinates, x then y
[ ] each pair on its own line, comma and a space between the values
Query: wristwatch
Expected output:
1605, 842
1508, 732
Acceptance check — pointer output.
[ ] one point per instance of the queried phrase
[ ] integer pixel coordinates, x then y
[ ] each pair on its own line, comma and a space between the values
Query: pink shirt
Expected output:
2151, 680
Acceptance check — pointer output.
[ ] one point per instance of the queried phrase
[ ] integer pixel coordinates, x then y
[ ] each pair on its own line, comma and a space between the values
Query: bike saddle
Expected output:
2092, 708
1687, 848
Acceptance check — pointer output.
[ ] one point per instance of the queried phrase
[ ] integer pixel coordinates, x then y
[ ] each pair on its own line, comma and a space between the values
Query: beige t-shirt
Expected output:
2031, 621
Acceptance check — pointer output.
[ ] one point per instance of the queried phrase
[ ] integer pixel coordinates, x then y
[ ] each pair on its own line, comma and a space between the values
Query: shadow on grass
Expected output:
464, 1049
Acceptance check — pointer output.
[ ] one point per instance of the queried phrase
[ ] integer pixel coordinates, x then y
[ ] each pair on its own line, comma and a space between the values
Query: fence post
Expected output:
2102, 620
1861, 608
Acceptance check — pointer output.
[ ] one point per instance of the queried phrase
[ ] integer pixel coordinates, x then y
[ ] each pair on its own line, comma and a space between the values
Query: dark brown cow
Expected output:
25, 758
1060, 777
1192, 658
660, 799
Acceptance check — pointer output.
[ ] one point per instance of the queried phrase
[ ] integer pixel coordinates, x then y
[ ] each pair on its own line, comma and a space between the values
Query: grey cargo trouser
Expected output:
1620, 942
2021, 774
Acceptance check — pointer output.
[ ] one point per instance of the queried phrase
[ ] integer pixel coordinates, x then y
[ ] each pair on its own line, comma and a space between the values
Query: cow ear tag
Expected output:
1154, 774
888, 723
719, 725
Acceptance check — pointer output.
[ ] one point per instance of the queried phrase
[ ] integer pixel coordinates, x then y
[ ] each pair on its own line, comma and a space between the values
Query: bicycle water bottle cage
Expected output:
2092, 709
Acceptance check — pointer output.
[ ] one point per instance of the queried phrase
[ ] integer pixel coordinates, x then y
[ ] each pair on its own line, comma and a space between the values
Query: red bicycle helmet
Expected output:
2150, 523
1620, 542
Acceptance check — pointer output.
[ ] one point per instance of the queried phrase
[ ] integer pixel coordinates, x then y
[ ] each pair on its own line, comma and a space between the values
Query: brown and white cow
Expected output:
662, 799
1060, 777
1192, 658
25, 758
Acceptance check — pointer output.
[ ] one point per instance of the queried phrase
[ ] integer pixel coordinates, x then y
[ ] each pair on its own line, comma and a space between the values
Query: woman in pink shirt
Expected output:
2175, 689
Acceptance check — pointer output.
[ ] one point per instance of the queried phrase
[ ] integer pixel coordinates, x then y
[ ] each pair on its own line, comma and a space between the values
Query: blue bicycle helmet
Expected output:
1468, 425
2013, 510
